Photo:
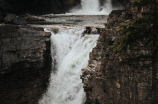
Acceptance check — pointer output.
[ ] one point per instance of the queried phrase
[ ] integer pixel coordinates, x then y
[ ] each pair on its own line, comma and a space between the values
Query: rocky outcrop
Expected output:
25, 64
12, 18
105, 80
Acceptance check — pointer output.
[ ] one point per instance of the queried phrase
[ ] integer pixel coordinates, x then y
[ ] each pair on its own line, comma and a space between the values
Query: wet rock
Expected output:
91, 30
33, 18
88, 30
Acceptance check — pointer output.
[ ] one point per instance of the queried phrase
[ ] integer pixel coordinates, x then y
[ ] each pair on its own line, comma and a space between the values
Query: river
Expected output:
70, 48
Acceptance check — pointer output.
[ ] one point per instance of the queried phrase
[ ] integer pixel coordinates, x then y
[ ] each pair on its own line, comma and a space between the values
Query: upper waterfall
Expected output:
92, 7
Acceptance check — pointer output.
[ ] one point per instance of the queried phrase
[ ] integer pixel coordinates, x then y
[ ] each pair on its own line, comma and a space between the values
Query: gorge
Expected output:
70, 50
65, 58
71, 45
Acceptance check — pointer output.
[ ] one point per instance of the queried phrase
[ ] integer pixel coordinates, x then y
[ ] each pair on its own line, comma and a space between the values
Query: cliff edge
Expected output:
105, 80
25, 63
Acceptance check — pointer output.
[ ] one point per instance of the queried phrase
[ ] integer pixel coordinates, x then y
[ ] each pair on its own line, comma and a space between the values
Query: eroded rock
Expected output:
106, 80
25, 64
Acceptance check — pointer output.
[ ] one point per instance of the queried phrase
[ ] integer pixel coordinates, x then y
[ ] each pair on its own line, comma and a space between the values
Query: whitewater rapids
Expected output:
70, 50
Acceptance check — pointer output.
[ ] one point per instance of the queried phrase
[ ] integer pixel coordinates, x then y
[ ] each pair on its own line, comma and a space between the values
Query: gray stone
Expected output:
10, 18
25, 64
19, 21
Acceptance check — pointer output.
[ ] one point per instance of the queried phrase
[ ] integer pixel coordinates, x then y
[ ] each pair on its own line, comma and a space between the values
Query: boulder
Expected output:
9, 18
19, 21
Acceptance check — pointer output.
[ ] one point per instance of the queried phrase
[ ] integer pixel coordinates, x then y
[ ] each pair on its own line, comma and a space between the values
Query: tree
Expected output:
144, 32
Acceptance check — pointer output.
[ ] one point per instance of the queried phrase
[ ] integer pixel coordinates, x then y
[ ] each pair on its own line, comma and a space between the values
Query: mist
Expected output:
92, 7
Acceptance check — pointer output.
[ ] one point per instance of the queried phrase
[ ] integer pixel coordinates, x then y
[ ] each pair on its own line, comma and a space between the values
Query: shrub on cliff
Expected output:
142, 33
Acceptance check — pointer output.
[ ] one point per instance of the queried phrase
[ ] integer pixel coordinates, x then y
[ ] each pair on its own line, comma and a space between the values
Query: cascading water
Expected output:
93, 7
90, 5
71, 50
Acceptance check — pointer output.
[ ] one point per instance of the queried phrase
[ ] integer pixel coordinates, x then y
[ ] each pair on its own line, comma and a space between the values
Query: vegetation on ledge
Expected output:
141, 33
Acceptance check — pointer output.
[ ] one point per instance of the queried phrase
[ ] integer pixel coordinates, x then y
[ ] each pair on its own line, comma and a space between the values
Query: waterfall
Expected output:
70, 49
93, 7
90, 5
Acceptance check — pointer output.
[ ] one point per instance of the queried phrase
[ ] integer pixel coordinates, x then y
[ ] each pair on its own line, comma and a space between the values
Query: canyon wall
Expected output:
25, 64
36, 6
46, 6
105, 80
119, 3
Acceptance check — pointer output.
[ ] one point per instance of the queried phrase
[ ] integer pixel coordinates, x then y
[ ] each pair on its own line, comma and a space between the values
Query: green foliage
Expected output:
105, 24
143, 33
141, 2
132, 33
138, 32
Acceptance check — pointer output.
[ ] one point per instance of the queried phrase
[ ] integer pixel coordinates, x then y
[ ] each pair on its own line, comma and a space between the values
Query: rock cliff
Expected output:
105, 80
25, 64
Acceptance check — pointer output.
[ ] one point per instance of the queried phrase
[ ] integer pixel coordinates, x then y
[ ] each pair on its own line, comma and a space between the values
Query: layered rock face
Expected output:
25, 64
105, 80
